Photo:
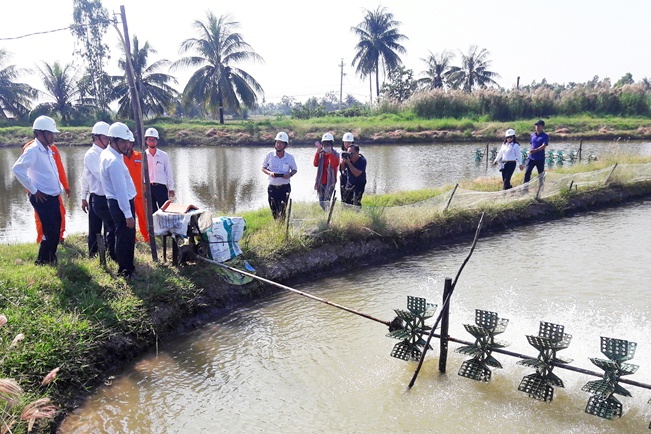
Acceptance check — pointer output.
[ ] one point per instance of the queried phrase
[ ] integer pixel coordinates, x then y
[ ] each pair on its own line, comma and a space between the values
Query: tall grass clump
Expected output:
21, 411
544, 101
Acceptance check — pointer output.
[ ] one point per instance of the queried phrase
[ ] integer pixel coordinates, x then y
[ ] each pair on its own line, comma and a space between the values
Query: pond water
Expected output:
229, 179
291, 364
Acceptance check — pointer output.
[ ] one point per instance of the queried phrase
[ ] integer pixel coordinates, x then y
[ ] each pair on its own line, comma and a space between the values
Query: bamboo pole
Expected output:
140, 133
446, 302
296, 291
288, 216
610, 174
451, 196
332, 207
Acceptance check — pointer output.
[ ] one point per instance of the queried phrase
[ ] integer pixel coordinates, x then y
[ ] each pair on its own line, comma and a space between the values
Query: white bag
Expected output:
223, 236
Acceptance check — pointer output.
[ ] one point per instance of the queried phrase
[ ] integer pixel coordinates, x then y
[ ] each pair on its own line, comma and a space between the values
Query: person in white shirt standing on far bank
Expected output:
509, 156
120, 192
161, 178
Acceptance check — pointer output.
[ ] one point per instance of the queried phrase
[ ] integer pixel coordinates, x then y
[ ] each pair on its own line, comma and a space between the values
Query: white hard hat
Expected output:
510, 132
45, 123
151, 132
326, 137
282, 136
120, 131
101, 128
131, 138
348, 137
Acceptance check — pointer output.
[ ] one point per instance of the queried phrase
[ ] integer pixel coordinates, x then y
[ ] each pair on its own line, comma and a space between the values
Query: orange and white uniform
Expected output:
134, 164
63, 178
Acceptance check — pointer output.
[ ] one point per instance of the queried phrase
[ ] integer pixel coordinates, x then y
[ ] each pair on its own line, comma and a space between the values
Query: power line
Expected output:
54, 31
36, 33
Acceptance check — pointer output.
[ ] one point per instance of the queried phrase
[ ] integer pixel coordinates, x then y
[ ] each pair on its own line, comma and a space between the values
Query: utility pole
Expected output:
341, 83
140, 130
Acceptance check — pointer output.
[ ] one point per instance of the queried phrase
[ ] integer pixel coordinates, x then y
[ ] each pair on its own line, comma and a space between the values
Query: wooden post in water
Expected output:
486, 154
445, 325
580, 149
140, 130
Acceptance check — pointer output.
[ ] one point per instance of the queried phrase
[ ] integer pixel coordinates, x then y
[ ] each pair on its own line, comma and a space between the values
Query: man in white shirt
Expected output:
120, 191
36, 170
96, 205
279, 166
161, 178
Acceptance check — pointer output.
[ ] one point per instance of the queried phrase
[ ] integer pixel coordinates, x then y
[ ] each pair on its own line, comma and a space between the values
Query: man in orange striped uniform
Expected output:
133, 161
64, 181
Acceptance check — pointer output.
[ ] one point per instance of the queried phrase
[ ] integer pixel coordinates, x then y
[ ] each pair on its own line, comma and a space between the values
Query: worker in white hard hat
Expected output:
346, 141
326, 160
161, 178
120, 193
63, 178
93, 200
37, 171
279, 166
508, 157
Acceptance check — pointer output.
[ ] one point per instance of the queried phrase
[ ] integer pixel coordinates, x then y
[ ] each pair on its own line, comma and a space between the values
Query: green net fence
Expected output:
308, 217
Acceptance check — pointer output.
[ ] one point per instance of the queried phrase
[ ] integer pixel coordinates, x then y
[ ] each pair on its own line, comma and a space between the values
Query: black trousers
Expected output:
507, 173
538, 164
278, 196
159, 195
125, 238
50, 216
352, 194
99, 206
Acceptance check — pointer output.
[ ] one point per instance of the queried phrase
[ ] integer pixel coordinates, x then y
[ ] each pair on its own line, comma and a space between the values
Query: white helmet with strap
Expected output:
45, 123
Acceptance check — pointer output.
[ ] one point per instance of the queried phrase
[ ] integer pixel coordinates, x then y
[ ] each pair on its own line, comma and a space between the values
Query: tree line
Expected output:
219, 86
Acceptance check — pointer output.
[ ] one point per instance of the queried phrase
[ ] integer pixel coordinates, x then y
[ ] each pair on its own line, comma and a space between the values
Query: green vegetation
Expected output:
388, 127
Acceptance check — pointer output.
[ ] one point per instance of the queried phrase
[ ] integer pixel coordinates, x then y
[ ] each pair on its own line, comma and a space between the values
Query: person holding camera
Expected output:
346, 140
279, 166
353, 164
326, 160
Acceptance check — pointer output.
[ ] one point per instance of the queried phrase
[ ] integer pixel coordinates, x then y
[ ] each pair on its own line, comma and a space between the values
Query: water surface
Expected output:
290, 364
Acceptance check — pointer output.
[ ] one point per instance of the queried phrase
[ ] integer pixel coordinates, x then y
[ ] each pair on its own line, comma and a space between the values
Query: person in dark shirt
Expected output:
539, 141
353, 164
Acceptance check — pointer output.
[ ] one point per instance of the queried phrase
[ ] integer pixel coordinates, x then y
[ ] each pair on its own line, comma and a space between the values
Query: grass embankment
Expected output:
403, 127
79, 316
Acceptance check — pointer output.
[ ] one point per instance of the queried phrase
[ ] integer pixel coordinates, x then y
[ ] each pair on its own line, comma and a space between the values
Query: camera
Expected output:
278, 175
345, 155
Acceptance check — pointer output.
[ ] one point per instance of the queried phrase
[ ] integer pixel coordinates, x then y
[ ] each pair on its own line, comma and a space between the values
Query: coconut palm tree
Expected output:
379, 44
438, 69
473, 70
157, 96
218, 83
60, 83
15, 98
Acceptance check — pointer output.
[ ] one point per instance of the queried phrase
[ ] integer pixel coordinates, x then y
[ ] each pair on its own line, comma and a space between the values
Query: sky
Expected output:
304, 42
